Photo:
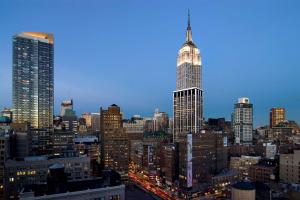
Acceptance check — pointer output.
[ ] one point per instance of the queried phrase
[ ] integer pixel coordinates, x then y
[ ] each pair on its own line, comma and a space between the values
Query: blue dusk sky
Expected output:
124, 52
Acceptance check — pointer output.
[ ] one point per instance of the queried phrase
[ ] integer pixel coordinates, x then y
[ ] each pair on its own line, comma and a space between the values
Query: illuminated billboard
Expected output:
189, 176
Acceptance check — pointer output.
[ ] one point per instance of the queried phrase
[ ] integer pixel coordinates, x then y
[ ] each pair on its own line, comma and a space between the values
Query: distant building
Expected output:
66, 104
62, 143
289, 166
242, 164
161, 121
95, 122
270, 150
265, 171
114, 140
69, 120
6, 112
243, 121
277, 115
280, 133
134, 128
33, 79
89, 145
88, 119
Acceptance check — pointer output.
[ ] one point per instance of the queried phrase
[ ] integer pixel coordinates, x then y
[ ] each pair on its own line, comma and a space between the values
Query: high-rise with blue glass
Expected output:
33, 79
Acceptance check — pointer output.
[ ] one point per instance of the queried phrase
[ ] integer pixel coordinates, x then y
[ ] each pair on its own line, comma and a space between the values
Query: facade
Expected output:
6, 112
289, 167
34, 170
243, 121
134, 128
160, 121
270, 150
33, 79
277, 115
169, 164
103, 193
95, 122
69, 120
136, 154
280, 133
66, 104
262, 172
114, 140
5, 153
242, 164
188, 97
62, 143
88, 119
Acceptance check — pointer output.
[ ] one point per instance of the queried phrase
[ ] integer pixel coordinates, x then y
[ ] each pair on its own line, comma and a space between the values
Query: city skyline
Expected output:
114, 78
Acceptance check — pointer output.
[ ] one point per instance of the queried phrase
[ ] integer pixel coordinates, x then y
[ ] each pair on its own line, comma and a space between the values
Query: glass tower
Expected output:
33, 79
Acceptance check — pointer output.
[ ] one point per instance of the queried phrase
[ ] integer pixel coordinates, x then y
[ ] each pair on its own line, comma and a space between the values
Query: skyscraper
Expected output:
188, 97
33, 79
114, 140
243, 121
188, 107
277, 115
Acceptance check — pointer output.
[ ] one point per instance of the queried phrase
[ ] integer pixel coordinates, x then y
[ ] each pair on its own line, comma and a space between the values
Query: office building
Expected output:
188, 96
34, 170
114, 140
265, 171
242, 164
33, 79
289, 167
243, 121
207, 142
277, 115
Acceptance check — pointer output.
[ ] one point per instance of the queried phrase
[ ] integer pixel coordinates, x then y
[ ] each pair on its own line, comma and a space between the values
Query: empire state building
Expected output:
188, 97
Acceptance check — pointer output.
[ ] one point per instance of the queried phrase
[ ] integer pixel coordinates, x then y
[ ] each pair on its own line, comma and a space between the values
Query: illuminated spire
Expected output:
189, 29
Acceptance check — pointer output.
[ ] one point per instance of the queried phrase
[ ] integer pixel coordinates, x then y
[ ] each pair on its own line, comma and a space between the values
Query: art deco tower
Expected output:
33, 79
188, 97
